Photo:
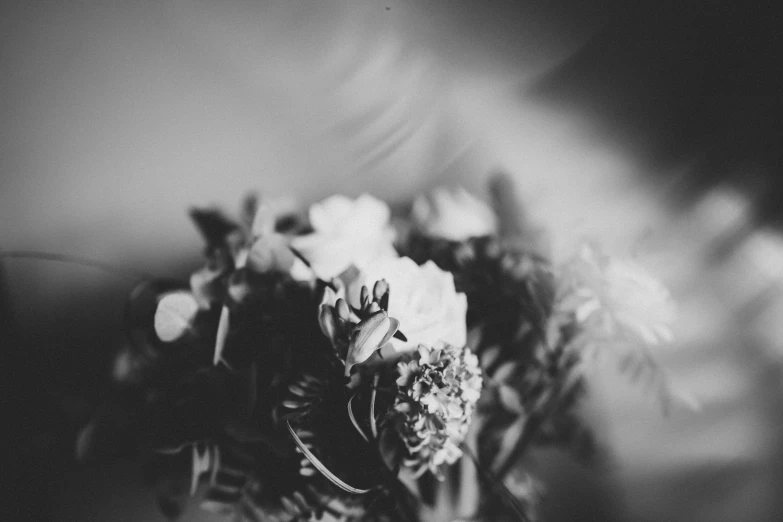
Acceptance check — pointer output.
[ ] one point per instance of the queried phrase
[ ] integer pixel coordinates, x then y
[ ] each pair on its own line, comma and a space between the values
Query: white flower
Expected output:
455, 215
422, 298
346, 232
615, 297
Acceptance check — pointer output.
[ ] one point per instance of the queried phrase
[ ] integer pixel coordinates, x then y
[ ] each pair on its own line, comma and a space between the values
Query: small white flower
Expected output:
455, 215
406, 371
346, 232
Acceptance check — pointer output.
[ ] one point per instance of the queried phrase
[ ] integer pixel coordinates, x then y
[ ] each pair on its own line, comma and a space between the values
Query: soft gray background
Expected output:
652, 130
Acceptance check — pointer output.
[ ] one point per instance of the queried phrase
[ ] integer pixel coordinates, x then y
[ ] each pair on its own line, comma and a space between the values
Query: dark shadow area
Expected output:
697, 83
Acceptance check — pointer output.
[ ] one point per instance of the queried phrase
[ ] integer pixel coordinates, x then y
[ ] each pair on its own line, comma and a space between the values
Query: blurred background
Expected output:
655, 127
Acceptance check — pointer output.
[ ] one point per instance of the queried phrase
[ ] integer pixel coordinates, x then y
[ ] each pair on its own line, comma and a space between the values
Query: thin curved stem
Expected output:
334, 479
353, 420
497, 484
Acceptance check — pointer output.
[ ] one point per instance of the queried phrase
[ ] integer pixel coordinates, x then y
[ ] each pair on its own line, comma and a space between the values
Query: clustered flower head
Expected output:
439, 388
391, 298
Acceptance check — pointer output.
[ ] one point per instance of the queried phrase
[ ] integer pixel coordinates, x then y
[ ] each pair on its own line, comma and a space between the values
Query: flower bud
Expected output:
326, 321
381, 287
368, 337
342, 309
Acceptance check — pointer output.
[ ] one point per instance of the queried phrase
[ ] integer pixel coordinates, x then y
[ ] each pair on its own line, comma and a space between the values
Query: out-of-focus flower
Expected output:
346, 232
270, 250
455, 215
422, 298
614, 298
440, 387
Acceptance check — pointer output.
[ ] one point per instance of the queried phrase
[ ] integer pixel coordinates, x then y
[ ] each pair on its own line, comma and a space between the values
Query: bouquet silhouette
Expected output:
347, 362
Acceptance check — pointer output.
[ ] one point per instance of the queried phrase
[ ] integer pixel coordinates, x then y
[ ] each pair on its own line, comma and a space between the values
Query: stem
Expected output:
373, 424
317, 464
497, 484
534, 424
353, 420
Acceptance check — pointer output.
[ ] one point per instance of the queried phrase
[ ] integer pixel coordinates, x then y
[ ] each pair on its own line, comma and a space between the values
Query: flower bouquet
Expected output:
348, 362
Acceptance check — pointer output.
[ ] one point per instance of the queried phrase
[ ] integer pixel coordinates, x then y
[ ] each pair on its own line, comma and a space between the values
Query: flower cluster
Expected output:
439, 389
323, 353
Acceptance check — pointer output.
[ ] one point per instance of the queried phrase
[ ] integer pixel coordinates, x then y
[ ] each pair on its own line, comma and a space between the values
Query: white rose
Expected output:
454, 215
346, 232
423, 299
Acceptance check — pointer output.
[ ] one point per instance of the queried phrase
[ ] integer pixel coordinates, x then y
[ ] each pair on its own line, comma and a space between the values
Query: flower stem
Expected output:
497, 484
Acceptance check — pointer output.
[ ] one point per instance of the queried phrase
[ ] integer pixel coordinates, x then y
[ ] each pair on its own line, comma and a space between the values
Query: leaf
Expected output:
399, 335
174, 315
510, 399
489, 356
638, 365
507, 442
504, 371
249, 511
249, 210
390, 448
474, 338
270, 252
511, 219
84, 440
207, 285
140, 309
213, 225
222, 333
172, 496
317, 464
